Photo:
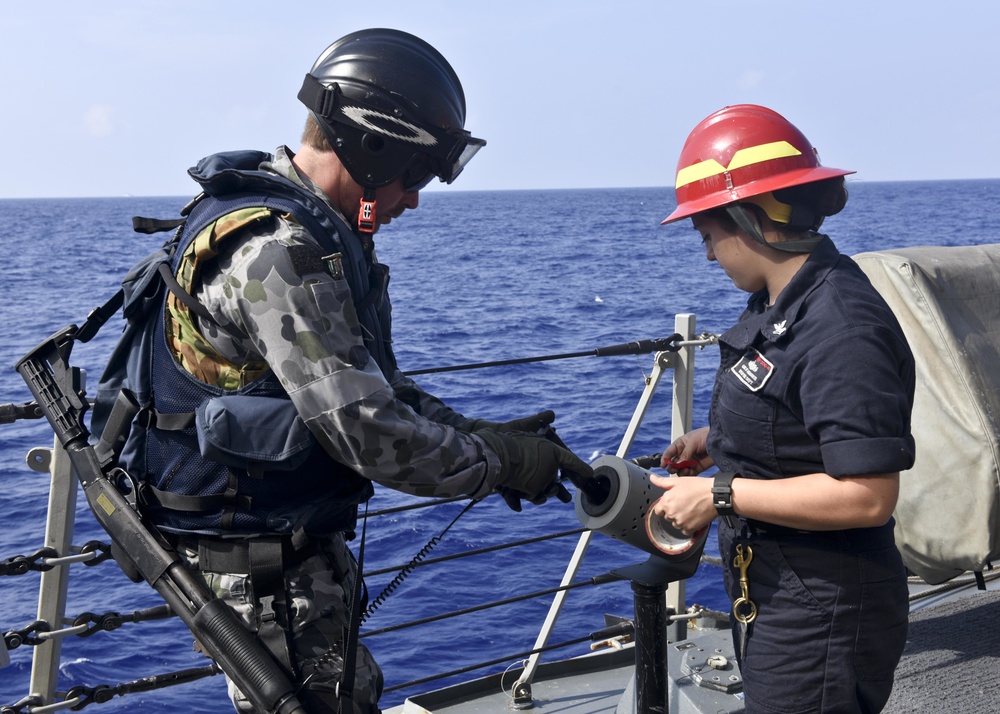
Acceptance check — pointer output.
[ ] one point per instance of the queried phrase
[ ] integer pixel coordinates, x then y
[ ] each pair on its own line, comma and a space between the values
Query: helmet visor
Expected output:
423, 168
463, 148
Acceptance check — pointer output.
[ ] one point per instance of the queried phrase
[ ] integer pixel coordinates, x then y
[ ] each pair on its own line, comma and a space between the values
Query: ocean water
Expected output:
476, 277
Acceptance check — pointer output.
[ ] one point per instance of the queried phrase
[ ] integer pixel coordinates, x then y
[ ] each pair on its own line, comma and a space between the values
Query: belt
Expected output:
857, 539
262, 557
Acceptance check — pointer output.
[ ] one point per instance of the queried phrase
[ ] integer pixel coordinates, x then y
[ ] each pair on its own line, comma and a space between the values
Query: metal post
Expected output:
522, 698
649, 584
54, 583
682, 364
681, 418
651, 619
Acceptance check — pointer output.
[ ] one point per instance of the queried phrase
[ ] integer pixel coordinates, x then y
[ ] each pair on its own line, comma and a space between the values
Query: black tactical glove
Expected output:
531, 424
530, 465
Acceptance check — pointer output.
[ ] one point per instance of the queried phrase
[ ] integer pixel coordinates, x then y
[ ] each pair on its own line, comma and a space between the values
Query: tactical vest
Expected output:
218, 461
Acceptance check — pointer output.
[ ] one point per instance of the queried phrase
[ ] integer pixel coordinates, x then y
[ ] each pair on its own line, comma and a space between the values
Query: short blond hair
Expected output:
313, 136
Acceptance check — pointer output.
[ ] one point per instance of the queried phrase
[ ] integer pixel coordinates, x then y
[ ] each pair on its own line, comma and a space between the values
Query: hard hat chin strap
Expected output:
741, 215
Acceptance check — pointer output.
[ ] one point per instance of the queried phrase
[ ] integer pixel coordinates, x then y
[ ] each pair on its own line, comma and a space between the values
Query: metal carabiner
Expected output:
744, 604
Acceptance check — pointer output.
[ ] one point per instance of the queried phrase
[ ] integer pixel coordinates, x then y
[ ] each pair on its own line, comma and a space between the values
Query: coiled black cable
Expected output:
408, 568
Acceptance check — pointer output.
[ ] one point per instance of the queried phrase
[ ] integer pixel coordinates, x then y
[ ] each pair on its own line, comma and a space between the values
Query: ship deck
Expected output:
950, 663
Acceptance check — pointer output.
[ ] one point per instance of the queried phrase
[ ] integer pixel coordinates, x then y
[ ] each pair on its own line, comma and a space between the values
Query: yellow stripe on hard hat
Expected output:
743, 157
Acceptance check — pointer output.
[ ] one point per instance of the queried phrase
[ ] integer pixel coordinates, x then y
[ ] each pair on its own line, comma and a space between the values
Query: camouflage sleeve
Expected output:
426, 405
275, 301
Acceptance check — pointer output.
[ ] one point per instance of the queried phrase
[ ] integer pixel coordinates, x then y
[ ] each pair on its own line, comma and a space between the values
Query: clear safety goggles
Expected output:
424, 167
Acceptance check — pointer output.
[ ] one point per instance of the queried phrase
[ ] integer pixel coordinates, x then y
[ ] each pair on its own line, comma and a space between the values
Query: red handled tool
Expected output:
679, 465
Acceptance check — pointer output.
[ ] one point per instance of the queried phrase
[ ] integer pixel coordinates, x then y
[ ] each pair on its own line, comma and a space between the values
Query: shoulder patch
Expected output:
306, 259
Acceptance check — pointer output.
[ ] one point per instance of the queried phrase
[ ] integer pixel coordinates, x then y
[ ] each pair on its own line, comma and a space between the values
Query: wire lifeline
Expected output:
664, 344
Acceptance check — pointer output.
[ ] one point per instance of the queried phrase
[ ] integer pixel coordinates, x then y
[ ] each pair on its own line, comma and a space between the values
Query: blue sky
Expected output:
122, 96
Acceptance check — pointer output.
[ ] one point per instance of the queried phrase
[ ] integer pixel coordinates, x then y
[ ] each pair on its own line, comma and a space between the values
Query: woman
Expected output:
808, 427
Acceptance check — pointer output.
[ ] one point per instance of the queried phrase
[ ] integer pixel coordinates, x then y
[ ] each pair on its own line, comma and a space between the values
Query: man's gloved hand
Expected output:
530, 465
531, 424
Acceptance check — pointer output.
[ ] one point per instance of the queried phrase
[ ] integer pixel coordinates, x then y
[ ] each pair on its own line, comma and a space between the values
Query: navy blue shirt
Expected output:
822, 381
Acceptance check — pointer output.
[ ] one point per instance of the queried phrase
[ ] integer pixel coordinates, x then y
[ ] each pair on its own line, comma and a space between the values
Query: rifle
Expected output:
55, 386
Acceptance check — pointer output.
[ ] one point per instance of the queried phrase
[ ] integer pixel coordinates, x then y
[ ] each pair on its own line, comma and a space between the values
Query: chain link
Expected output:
45, 559
107, 622
103, 551
83, 625
15, 638
100, 694
34, 704
80, 696
32, 700
21, 564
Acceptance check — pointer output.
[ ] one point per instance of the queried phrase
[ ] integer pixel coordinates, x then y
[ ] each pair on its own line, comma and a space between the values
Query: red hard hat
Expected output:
742, 151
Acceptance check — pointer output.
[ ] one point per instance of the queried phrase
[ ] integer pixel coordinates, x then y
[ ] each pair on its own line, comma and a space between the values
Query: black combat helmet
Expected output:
390, 105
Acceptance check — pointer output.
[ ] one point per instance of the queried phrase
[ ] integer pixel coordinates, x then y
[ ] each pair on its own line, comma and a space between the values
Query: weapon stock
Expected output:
54, 384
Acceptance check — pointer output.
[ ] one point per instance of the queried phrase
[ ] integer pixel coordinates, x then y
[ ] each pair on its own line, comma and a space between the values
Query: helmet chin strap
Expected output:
740, 214
366, 216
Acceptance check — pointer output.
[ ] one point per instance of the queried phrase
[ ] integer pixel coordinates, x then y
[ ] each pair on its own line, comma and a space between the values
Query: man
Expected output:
274, 399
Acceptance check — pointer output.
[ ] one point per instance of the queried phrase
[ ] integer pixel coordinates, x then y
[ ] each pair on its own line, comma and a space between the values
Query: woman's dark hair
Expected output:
821, 198
810, 202
720, 215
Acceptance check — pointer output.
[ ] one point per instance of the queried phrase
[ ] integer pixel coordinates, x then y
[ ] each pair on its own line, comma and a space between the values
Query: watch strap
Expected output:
722, 493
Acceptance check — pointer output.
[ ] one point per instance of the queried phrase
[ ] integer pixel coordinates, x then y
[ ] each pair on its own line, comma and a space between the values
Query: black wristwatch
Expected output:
722, 494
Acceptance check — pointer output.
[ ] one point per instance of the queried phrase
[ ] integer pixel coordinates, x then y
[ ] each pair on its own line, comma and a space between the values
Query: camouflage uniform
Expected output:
279, 312
319, 593
276, 310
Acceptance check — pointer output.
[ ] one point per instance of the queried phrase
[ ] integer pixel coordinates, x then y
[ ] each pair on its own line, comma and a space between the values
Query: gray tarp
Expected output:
947, 300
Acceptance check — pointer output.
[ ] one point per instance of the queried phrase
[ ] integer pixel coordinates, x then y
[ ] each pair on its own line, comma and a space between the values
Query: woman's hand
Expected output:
687, 502
688, 455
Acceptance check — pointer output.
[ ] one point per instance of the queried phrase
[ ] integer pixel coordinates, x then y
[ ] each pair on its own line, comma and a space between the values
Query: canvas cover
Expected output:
947, 300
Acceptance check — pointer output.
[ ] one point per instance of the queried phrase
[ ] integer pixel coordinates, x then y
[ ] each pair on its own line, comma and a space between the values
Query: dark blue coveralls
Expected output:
823, 381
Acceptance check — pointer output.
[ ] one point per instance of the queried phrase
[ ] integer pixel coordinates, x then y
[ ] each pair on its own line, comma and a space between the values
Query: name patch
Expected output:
753, 370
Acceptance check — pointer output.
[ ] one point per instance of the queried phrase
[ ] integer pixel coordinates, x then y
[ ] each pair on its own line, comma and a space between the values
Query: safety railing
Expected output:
54, 558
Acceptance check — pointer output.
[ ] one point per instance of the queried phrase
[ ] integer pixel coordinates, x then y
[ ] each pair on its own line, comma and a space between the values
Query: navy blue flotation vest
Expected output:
214, 461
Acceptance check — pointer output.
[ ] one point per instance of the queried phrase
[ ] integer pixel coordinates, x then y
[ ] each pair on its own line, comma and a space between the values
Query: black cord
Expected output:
408, 568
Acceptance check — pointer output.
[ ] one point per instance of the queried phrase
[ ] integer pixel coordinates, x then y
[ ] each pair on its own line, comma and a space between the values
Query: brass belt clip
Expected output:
743, 608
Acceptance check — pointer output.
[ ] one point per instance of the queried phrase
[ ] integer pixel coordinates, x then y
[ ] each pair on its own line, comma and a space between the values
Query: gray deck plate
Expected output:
586, 685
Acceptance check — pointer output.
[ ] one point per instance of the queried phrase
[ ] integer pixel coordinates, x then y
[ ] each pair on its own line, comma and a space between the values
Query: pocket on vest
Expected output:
241, 431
